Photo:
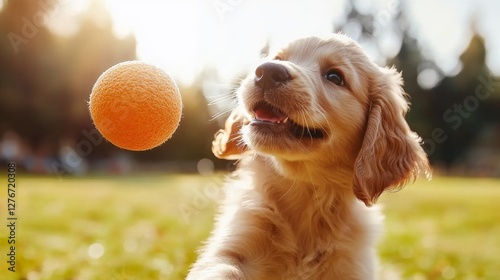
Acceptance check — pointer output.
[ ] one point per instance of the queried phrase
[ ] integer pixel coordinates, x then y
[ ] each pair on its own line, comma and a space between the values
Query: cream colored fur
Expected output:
302, 207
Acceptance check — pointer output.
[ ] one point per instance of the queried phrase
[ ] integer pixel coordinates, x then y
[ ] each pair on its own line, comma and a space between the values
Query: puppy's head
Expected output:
322, 101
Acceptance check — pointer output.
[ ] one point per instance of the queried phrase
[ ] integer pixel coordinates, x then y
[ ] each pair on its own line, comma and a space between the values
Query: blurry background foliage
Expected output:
46, 78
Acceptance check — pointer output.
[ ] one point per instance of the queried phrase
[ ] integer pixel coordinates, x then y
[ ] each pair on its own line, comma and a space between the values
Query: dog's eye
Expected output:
335, 77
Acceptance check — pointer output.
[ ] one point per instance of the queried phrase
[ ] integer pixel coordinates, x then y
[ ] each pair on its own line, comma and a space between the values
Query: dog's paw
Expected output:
227, 142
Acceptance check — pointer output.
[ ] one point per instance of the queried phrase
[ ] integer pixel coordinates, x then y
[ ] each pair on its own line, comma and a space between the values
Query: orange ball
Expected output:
135, 106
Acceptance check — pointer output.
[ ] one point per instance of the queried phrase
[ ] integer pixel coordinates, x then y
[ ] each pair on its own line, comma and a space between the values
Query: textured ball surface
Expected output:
135, 106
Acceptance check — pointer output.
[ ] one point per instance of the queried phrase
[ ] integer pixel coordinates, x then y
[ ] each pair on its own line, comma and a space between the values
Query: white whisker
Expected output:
221, 99
223, 112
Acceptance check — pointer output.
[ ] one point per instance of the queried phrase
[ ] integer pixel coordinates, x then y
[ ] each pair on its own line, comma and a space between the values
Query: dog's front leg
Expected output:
251, 243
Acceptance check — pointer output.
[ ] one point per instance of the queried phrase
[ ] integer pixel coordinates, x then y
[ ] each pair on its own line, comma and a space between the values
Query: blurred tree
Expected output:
46, 79
466, 104
450, 115
29, 58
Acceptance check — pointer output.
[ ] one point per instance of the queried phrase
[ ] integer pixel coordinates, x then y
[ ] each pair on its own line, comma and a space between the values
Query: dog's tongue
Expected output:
266, 112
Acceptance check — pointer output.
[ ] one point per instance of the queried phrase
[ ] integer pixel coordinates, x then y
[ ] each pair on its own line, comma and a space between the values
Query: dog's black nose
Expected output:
271, 75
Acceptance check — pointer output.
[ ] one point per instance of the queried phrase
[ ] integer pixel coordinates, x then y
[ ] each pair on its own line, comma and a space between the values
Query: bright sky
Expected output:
184, 37
226, 34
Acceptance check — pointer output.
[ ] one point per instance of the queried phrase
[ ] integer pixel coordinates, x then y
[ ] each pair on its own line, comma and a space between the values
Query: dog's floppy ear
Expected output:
391, 154
228, 143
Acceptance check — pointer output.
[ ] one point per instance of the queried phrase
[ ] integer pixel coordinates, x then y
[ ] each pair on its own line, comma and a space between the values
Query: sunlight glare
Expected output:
166, 33
64, 17
95, 250
185, 37
428, 78
188, 37
439, 38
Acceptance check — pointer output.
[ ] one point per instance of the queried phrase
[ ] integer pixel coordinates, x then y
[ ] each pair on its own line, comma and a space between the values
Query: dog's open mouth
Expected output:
267, 114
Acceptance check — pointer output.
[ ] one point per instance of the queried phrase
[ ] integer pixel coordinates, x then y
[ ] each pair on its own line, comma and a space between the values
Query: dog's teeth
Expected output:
285, 120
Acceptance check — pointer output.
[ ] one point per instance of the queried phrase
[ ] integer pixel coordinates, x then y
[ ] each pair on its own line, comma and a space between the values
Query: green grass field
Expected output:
148, 227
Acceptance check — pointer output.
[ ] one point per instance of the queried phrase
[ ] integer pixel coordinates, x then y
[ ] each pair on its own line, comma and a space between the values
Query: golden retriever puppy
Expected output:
320, 133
